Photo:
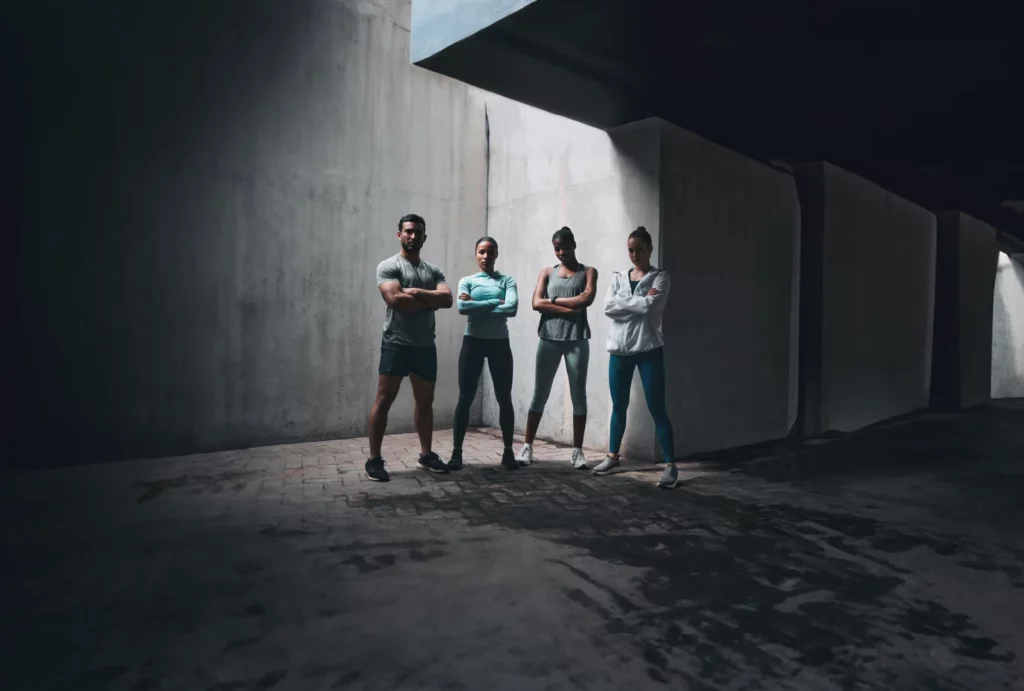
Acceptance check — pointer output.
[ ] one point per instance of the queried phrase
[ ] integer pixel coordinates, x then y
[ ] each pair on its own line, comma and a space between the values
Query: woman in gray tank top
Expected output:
562, 296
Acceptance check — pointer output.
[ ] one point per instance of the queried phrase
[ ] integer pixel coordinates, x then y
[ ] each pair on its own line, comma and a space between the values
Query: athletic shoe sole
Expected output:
375, 479
439, 471
672, 485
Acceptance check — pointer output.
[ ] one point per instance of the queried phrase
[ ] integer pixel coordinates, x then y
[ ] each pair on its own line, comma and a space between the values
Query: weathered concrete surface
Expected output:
726, 227
545, 172
889, 559
205, 221
868, 259
731, 238
965, 271
1008, 329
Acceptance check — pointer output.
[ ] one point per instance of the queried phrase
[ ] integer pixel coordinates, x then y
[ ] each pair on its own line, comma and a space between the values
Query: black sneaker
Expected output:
456, 462
432, 462
508, 460
375, 470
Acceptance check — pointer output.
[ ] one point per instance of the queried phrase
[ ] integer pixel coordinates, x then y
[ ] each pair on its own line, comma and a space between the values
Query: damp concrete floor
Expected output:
888, 559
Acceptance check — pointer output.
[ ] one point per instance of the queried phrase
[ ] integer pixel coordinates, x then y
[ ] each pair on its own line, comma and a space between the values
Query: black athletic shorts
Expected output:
403, 360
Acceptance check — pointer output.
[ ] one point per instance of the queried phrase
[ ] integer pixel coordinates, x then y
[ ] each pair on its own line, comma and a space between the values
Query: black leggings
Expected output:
498, 354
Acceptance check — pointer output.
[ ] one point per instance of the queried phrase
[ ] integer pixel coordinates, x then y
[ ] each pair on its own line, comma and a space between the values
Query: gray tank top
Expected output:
571, 327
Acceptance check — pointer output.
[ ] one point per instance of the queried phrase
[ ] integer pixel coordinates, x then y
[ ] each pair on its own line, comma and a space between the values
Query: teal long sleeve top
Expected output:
486, 315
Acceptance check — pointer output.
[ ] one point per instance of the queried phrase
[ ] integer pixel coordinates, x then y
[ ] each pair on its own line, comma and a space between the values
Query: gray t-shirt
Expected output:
409, 328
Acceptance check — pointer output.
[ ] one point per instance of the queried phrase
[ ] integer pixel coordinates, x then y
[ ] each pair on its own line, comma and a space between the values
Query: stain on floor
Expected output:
886, 559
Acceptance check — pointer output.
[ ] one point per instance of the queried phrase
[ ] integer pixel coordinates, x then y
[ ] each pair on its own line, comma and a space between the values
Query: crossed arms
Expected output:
415, 299
508, 307
621, 308
564, 305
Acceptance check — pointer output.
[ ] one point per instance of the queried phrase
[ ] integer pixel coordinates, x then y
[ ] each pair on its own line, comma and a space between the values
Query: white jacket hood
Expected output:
636, 316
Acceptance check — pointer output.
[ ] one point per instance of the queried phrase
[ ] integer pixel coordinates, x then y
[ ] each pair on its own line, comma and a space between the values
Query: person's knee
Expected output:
662, 423
538, 402
385, 398
422, 391
465, 403
578, 394
658, 410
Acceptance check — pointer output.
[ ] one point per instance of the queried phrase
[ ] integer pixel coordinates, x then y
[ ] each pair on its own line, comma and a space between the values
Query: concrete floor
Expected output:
889, 559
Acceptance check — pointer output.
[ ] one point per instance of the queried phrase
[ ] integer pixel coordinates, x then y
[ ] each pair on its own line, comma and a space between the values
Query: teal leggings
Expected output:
549, 355
652, 375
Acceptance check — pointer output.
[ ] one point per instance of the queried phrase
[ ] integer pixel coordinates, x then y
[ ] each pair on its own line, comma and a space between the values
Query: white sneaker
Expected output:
578, 461
606, 466
525, 455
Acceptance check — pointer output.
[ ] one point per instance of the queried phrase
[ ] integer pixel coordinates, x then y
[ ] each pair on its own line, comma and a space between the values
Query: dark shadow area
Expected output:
131, 113
916, 441
889, 558
839, 82
819, 562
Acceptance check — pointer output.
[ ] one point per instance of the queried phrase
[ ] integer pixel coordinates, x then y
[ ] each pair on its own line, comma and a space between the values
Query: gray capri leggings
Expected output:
549, 355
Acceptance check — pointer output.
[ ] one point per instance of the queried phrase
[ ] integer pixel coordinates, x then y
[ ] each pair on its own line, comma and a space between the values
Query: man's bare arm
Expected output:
398, 300
440, 299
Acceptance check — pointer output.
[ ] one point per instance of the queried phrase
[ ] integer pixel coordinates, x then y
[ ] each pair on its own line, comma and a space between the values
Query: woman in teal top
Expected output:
488, 299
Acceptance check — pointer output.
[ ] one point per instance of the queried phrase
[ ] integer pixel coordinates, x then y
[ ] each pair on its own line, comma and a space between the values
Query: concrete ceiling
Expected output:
887, 90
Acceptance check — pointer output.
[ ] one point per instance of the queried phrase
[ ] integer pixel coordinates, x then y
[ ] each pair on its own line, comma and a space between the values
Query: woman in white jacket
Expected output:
635, 302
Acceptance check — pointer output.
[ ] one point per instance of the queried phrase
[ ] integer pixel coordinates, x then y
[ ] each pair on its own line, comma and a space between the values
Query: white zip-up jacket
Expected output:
636, 317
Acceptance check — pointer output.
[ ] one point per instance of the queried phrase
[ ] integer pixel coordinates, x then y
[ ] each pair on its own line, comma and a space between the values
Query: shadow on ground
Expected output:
797, 560
891, 558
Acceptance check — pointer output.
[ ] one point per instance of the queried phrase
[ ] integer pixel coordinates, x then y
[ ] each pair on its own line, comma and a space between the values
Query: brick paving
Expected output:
285, 568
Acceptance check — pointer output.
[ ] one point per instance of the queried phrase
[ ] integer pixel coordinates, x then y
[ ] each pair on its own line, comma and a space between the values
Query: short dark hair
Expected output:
642, 233
412, 218
563, 233
487, 238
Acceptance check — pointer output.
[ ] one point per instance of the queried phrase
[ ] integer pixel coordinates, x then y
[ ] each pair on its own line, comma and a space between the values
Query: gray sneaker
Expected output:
669, 478
606, 466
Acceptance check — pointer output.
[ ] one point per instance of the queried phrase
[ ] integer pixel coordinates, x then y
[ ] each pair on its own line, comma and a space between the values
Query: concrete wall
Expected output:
977, 257
962, 344
1008, 329
731, 232
873, 255
725, 226
546, 172
212, 186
